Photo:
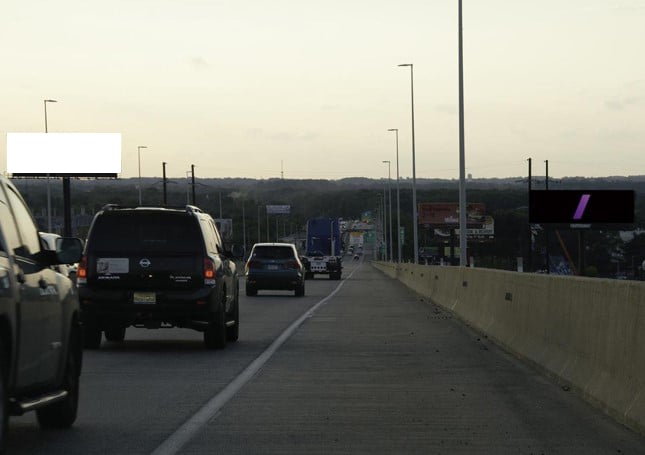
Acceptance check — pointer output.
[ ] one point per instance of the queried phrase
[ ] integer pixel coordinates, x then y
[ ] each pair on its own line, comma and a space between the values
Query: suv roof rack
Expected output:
188, 208
193, 209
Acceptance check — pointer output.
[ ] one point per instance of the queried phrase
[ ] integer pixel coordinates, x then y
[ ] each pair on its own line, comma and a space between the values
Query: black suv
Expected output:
40, 332
157, 267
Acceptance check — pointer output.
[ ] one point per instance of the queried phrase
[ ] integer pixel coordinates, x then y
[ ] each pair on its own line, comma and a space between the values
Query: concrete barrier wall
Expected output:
587, 333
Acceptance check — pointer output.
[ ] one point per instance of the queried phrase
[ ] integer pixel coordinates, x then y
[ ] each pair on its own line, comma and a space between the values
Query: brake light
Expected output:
209, 269
81, 272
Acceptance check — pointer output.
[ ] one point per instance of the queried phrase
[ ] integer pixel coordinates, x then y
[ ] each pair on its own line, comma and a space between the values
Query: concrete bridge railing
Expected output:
587, 333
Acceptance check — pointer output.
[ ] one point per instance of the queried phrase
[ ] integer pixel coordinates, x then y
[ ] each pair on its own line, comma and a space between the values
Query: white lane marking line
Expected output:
192, 426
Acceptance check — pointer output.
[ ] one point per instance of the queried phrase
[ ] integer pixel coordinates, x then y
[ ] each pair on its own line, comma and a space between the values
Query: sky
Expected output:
308, 89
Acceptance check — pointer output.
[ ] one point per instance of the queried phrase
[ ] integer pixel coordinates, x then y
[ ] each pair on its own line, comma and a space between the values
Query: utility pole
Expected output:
546, 227
529, 266
192, 171
165, 190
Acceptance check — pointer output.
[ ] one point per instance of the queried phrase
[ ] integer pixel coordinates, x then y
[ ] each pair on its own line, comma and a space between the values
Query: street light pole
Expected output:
139, 160
49, 193
414, 172
398, 200
463, 225
389, 190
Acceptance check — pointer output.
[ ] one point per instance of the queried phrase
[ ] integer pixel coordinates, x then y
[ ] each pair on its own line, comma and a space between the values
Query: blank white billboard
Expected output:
64, 153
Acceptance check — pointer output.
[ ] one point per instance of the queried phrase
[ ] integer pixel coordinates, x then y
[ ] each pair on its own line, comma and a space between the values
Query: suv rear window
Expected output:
145, 232
273, 252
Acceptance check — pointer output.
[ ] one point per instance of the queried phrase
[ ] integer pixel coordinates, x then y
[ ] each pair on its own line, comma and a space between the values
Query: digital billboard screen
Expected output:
581, 207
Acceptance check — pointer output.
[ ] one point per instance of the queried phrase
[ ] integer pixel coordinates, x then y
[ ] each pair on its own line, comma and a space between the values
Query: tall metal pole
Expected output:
192, 180
165, 191
530, 252
414, 173
546, 226
398, 200
463, 225
49, 194
389, 191
139, 160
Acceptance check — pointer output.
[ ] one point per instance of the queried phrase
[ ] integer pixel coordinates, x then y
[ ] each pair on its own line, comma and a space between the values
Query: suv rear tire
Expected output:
215, 333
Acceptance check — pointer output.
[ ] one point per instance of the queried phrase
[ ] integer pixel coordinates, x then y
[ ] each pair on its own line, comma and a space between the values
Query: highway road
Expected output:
358, 366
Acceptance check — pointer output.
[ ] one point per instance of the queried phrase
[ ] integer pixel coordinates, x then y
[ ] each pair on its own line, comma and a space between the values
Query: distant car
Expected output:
274, 266
157, 267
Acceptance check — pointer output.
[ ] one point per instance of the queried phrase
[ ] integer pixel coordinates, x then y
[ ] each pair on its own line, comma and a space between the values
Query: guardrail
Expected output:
588, 334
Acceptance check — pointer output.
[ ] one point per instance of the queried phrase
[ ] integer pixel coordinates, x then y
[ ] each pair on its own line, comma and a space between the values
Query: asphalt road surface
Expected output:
358, 366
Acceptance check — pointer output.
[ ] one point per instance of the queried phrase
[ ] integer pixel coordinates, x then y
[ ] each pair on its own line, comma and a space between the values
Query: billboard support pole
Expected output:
67, 208
165, 190
546, 227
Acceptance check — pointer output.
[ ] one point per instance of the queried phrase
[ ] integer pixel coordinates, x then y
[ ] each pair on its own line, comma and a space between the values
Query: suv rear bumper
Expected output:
111, 308
275, 280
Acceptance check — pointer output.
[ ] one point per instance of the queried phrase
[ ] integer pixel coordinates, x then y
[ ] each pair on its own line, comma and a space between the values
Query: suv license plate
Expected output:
145, 298
272, 267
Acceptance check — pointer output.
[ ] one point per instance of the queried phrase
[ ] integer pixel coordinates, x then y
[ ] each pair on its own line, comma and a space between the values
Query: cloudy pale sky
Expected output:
246, 88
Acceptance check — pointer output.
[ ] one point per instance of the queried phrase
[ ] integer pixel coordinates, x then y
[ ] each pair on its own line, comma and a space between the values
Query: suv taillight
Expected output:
209, 269
81, 271
292, 265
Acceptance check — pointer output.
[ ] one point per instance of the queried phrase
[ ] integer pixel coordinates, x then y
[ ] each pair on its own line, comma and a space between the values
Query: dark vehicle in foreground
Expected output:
40, 332
274, 266
157, 267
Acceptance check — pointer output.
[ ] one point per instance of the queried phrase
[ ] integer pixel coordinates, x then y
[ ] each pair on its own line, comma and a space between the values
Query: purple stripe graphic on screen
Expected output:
582, 205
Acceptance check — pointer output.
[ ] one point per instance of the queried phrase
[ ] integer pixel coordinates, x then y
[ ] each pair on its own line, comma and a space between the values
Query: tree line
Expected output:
244, 201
